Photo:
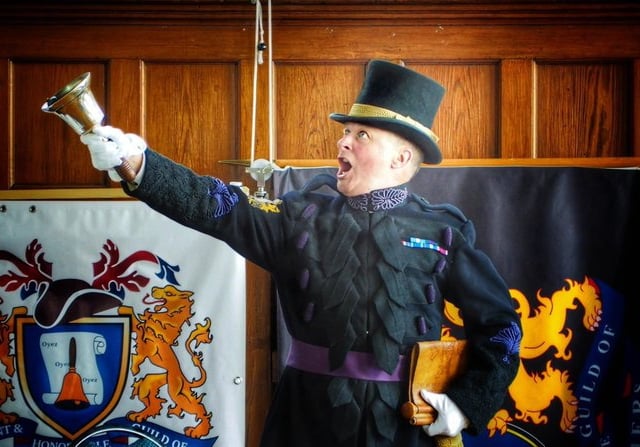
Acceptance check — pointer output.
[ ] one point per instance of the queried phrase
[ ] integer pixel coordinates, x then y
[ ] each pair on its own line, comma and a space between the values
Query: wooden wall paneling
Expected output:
191, 112
408, 39
583, 109
125, 95
306, 93
474, 11
635, 95
124, 98
259, 349
99, 41
467, 122
516, 108
6, 161
47, 152
246, 92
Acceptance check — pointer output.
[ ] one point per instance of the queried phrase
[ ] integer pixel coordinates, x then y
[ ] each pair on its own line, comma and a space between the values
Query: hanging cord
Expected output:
272, 154
257, 60
261, 169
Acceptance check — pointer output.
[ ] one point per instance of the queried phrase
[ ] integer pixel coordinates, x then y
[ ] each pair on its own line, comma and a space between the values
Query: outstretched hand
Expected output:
108, 147
450, 420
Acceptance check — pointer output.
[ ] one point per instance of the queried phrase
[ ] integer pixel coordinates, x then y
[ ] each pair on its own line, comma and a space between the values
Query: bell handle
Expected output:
126, 171
72, 353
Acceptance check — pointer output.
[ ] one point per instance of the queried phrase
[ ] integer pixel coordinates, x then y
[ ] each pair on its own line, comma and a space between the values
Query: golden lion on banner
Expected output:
544, 330
7, 359
157, 334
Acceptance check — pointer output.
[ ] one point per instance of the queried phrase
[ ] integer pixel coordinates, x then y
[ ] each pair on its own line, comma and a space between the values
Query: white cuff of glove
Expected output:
450, 420
109, 145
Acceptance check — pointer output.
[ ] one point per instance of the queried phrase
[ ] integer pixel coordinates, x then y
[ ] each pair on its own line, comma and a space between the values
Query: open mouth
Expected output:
343, 167
148, 299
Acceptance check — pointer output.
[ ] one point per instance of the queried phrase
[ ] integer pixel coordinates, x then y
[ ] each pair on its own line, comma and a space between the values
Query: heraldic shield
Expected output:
72, 374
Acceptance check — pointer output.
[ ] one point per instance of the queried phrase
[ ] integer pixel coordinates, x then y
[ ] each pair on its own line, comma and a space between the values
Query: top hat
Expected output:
401, 101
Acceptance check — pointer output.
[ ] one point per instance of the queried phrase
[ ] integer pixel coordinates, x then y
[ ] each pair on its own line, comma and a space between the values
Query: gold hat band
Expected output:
369, 111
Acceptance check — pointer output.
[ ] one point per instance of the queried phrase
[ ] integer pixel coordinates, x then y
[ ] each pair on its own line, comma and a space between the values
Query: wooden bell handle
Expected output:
126, 171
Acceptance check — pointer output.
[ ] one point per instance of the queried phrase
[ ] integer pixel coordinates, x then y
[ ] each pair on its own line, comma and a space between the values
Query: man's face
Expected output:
365, 156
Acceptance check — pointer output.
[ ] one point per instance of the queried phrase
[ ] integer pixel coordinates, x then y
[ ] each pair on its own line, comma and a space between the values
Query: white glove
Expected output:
109, 145
450, 421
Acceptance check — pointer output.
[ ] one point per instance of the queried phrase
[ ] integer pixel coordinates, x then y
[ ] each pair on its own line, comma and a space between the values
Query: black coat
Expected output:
366, 274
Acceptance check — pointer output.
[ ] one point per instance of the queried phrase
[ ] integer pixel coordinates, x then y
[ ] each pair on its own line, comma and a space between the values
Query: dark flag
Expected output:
565, 239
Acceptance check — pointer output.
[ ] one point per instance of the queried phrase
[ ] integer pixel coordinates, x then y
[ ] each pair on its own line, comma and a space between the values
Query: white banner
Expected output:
113, 315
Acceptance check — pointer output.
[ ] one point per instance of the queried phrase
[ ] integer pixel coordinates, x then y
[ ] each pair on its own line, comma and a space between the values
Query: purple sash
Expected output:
357, 365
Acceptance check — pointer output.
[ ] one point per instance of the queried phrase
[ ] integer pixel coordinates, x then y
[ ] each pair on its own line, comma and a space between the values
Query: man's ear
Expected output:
403, 157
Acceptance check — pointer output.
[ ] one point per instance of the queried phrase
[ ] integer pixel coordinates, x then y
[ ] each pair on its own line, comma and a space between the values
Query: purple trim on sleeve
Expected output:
225, 199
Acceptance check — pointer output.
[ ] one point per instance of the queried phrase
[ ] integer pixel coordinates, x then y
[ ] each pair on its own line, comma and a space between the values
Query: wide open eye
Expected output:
363, 135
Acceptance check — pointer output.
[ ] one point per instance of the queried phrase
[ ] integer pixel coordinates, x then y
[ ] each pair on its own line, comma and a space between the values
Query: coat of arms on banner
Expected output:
77, 352
49, 377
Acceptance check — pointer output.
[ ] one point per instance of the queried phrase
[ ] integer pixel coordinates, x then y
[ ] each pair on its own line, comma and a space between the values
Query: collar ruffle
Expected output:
380, 199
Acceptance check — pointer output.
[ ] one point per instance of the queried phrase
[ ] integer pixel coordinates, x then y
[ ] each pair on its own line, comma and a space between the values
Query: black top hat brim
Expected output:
429, 148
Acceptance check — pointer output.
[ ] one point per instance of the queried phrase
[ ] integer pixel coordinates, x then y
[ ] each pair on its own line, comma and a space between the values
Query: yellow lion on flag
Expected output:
157, 332
544, 330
